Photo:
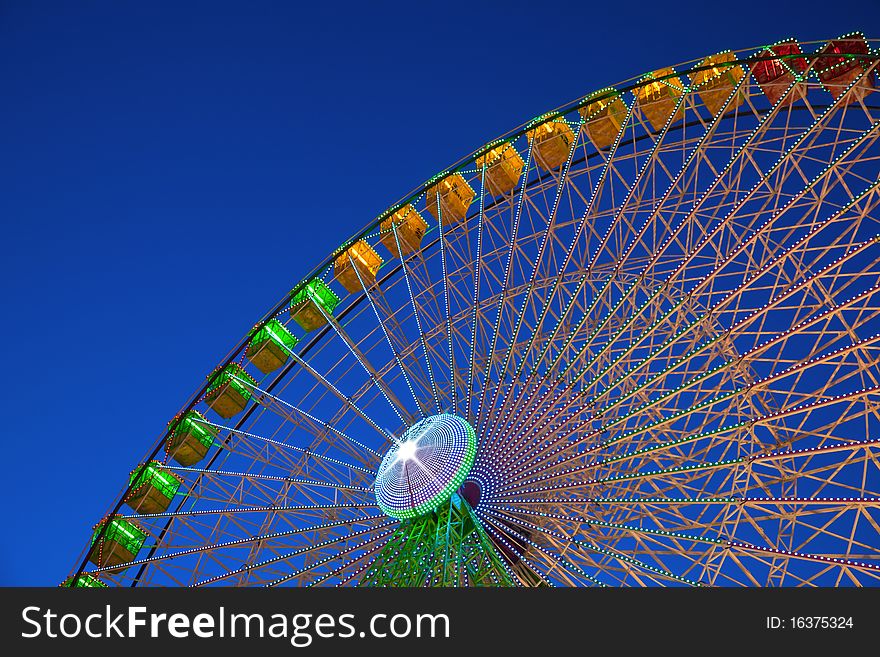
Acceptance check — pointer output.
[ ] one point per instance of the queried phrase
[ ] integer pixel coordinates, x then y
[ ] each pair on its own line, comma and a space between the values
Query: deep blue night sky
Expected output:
169, 170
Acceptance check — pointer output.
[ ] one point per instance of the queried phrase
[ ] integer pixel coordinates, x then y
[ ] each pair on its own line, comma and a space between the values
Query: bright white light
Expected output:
425, 466
407, 450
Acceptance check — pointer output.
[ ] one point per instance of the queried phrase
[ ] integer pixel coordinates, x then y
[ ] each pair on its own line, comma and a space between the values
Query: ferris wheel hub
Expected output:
425, 466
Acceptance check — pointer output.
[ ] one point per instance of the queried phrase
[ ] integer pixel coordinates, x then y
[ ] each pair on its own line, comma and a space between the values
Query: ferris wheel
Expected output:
634, 342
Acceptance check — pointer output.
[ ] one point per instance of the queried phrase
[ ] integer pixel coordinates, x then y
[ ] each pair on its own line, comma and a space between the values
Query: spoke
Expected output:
415, 310
680, 536
562, 561
708, 465
294, 508
562, 268
479, 262
350, 562
284, 445
264, 394
389, 396
446, 305
582, 543
482, 412
243, 541
757, 501
563, 177
295, 553
381, 324
501, 535
327, 384
250, 475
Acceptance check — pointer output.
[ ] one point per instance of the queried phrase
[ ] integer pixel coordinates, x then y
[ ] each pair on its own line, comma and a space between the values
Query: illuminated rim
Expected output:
426, 466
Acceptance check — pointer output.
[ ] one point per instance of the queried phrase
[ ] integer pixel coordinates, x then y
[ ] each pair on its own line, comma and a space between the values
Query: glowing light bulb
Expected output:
407, 450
